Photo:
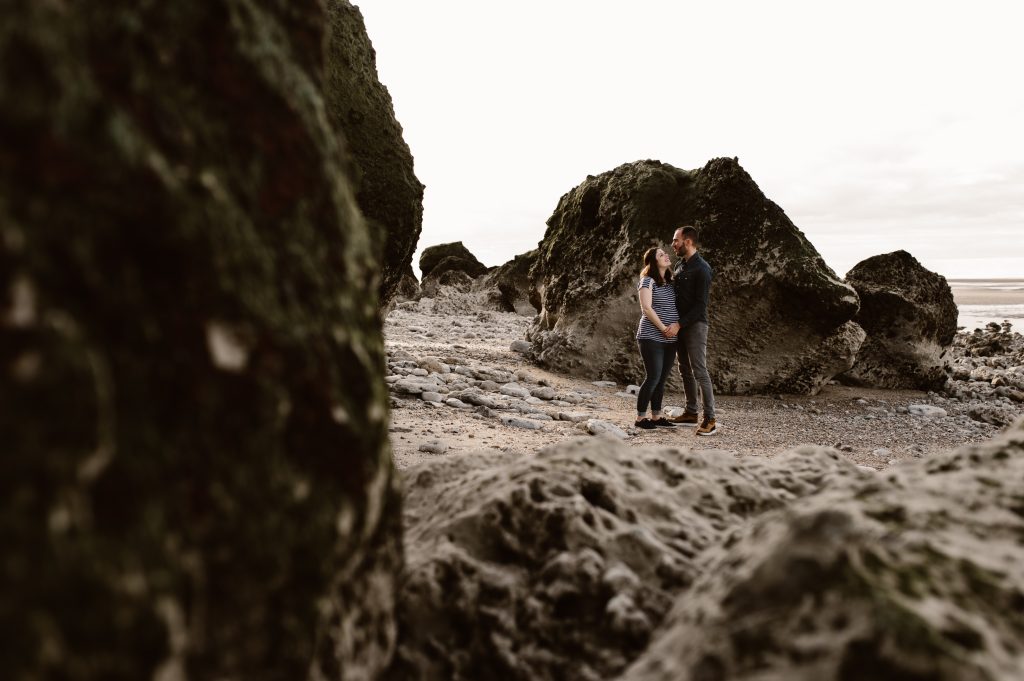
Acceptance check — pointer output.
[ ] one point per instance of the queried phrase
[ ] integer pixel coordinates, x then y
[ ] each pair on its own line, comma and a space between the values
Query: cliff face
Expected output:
196, 477
780, 318
386, 188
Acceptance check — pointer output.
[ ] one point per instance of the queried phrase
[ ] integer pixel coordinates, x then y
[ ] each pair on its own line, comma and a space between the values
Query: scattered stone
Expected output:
516, 422
521, 346
573, 416
543, 393
431, 396
604, 384
990, 414
632, 390
928, 410
434, 447
600, 427
515, 390
882, 453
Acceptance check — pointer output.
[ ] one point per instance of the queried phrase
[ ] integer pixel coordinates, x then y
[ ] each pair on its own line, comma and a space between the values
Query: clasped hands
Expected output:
672, 330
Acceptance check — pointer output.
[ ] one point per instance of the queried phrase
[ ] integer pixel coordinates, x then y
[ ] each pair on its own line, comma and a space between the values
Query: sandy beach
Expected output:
872, 427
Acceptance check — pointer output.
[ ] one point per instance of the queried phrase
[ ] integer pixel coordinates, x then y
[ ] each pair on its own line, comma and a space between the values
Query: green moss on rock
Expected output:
196, 476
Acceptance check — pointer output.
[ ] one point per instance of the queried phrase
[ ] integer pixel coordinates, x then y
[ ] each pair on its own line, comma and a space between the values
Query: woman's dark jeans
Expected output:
658, 360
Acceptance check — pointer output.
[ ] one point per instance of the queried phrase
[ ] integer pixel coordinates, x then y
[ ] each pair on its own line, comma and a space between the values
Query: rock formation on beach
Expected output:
910, 319
408, 285
196, 480
511, 287
590, 556
436, 260
780, 318
387, 191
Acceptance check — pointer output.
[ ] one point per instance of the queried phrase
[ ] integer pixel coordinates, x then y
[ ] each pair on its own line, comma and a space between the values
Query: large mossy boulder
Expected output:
919, 575
451, 257
387, 190
910, 318
781, 320
195, 479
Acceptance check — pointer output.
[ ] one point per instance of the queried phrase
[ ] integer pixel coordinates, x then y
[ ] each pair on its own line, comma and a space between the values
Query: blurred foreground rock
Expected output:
920, 576
592, 556
781, 320
564, 564
910, 319
195, 480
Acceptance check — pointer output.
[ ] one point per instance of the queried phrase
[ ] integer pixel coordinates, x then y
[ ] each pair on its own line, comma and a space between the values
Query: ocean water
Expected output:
981, 301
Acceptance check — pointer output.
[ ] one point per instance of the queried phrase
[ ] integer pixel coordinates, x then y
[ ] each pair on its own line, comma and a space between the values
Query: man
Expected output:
692, 280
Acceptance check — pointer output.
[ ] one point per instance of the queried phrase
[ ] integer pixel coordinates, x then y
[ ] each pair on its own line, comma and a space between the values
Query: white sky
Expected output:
874, 125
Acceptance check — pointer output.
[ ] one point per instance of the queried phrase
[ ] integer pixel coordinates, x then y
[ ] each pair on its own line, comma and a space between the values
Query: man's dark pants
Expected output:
692, 348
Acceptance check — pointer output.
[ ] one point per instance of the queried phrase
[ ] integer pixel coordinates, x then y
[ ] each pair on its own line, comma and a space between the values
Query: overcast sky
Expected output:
874, 125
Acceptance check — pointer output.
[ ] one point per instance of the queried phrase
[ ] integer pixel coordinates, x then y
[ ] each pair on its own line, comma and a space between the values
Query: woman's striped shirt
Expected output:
663, 300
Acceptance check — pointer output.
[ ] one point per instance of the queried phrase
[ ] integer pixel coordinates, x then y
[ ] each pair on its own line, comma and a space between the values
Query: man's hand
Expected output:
671, 330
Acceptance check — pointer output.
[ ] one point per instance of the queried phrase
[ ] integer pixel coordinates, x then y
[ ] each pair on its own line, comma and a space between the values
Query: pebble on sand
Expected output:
926, 410
600, 427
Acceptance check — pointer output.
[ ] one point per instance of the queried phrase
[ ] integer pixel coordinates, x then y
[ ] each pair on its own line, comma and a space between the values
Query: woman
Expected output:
658, 350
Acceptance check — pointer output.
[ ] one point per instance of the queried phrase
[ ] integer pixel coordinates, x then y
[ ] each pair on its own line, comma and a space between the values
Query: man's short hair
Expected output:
690, 232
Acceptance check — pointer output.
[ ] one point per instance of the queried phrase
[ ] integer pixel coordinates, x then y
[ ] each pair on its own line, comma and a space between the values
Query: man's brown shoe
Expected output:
686, 419
708, 427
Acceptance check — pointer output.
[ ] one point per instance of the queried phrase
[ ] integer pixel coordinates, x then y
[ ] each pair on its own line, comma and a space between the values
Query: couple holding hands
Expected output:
675, 322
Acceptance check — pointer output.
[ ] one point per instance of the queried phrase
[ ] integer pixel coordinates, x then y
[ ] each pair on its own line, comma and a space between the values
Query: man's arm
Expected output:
702, 289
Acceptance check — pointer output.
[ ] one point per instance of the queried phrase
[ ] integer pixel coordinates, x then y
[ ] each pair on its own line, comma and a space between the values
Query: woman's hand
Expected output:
671, 331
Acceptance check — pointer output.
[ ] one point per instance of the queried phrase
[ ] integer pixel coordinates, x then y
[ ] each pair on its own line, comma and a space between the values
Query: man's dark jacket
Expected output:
692, 281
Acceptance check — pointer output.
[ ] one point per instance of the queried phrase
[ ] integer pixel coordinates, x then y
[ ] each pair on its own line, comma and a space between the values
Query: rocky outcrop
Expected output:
510, 285
436, 260
781, 321
674, 564
504, 551
390, 196
919, 576
195, 480
408, 286
910, 319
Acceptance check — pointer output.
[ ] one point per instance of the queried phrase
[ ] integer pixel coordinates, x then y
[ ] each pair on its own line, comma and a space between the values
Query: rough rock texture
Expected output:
910, 319
195, 480
408, 286
510, 285
436, 260
390, 196
561, 565
780, 318
919, 576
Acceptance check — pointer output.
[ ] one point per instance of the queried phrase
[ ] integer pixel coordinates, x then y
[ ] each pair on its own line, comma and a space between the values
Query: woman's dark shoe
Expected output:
646, 424
663, 422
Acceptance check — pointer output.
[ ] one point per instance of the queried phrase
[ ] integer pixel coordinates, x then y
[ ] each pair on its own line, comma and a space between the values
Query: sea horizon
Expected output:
981, 301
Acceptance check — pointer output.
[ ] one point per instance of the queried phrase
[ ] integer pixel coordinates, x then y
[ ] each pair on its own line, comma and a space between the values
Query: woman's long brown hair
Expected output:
651, 268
